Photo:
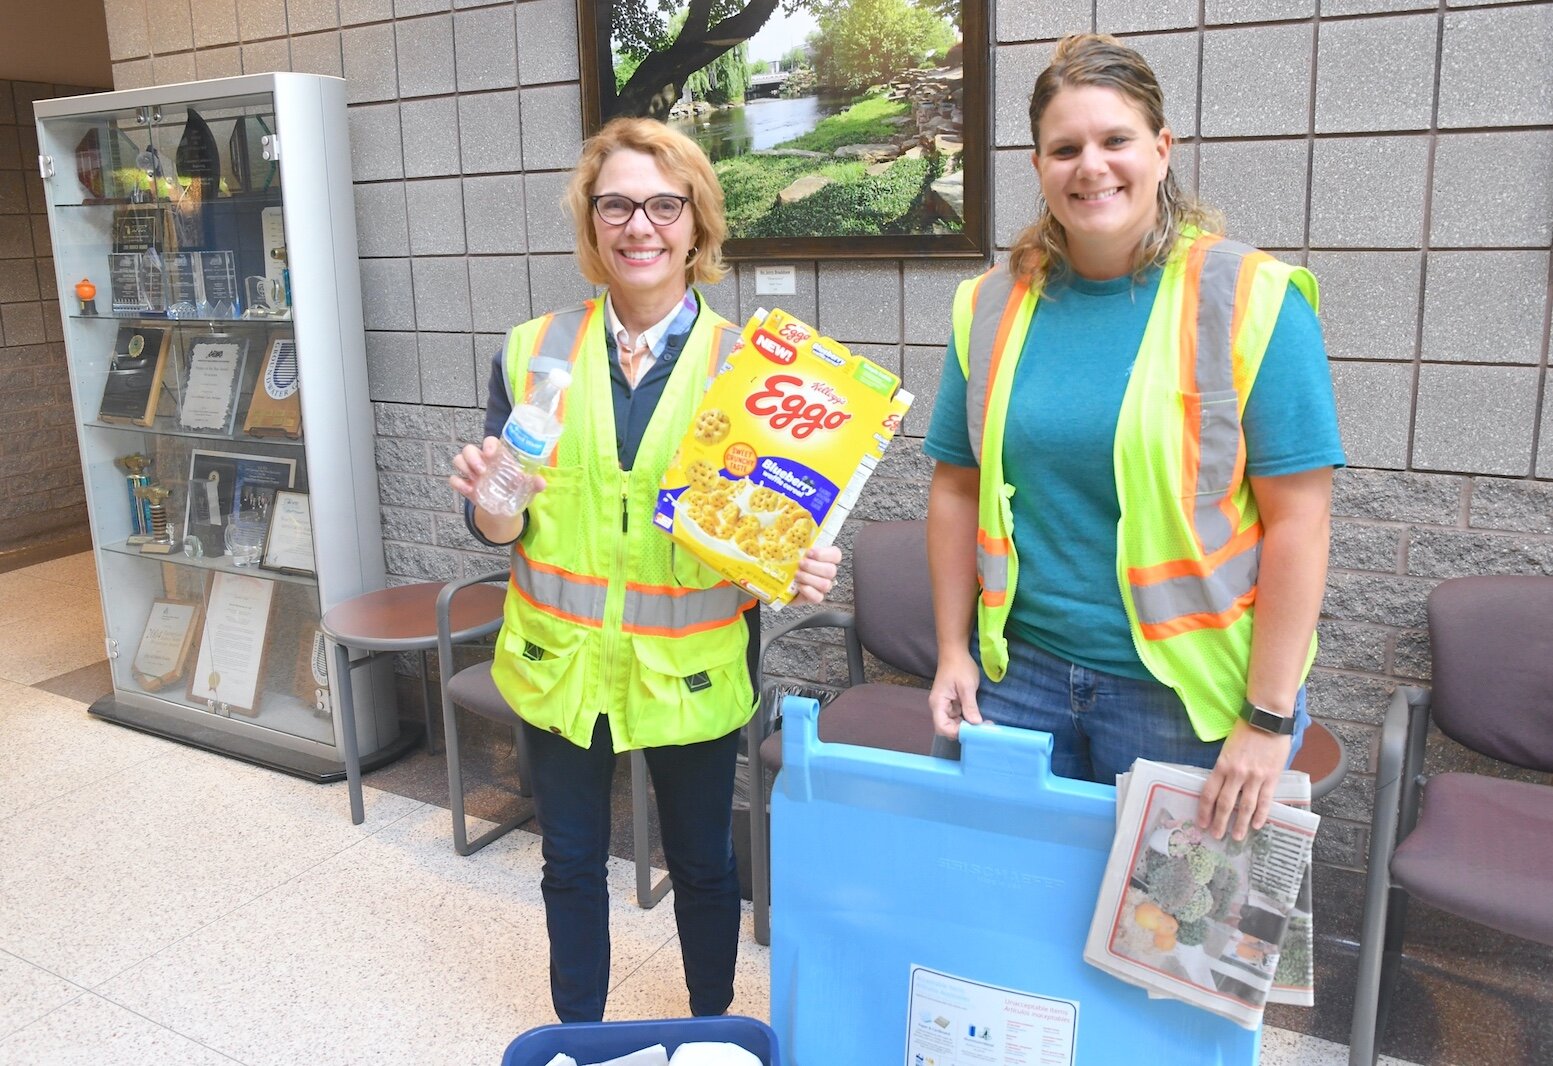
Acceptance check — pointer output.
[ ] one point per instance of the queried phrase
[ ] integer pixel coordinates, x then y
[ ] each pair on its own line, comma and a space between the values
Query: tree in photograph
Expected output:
867, 42
644, 30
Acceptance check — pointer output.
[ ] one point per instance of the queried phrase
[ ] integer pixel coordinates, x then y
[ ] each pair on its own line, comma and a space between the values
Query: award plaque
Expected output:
250, 171
197, 159
135, 375
288, 546
213, 383
163, 655
276, 407
232, 644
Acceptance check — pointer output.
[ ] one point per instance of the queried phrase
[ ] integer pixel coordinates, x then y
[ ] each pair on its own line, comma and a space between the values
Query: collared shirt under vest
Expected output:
1189, 538
603, 615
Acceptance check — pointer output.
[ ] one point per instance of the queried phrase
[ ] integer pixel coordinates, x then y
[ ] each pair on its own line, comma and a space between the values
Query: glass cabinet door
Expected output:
169, 236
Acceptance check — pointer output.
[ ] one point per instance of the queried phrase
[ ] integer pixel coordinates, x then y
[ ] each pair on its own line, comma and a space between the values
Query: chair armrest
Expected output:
445, 610
1399, 759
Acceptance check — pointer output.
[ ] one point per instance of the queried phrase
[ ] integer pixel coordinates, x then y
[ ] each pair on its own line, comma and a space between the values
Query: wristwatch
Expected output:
1279, 725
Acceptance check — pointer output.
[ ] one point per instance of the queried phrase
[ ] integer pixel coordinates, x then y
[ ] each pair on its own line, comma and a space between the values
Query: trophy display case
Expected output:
204, 241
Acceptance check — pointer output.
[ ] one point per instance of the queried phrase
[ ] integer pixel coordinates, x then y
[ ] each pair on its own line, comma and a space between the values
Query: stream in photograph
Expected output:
760, 123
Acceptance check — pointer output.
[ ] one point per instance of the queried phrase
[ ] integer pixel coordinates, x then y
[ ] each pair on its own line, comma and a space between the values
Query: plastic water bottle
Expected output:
527, 440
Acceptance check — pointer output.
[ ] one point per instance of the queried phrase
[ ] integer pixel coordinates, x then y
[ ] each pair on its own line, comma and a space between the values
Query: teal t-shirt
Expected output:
1057, 452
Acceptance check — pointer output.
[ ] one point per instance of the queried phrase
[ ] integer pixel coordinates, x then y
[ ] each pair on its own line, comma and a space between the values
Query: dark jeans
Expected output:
694, 787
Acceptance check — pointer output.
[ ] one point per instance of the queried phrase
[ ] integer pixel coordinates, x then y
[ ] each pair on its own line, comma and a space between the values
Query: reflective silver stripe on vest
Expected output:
1216, 593
991, 301
1218, 429
689, 610
992, 568
558, 347
579, 600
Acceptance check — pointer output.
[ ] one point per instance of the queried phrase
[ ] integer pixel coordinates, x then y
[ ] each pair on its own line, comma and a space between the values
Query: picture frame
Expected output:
233, 644
135, 372
797, 182
220, 484
162, 656
288, 541
213, 381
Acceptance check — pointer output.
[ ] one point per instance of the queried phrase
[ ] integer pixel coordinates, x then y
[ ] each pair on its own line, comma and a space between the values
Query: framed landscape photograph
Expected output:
837, 128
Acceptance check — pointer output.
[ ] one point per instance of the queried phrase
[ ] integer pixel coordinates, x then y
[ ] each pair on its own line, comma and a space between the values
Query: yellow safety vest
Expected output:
1189, 539
603, 613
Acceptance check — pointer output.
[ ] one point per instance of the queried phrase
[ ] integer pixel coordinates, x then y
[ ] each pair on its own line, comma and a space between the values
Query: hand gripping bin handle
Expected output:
983, 871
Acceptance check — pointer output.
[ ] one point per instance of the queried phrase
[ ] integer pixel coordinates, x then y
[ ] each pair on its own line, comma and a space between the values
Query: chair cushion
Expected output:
889, 717
473, 689
1481, 850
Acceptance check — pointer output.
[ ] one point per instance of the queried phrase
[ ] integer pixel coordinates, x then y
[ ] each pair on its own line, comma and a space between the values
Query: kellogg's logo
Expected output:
787, 408
773, 348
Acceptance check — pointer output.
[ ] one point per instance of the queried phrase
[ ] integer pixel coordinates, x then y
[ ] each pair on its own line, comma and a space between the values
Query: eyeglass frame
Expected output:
639, 205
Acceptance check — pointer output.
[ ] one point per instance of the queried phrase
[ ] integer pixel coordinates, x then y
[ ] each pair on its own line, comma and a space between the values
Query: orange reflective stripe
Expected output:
561, 593
1192, 622
1006, 324
1152, 575
669, 610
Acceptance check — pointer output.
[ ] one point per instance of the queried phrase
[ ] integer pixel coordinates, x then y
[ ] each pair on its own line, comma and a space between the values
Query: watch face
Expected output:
1267, 721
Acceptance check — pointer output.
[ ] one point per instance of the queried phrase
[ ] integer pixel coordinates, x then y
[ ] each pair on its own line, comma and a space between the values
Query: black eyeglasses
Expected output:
663, 209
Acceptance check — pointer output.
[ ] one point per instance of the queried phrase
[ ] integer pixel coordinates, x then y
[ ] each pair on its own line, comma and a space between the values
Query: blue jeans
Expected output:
1099, 722
694, 788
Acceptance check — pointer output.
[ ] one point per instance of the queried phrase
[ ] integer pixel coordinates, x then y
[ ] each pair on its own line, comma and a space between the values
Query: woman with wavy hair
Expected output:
1135, 437
612, 640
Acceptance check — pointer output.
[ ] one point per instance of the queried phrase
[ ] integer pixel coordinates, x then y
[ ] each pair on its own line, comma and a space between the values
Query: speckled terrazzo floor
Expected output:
159, 904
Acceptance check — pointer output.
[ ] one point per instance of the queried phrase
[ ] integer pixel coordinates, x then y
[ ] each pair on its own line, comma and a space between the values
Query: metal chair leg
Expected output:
342, 679
647, 893
426, 709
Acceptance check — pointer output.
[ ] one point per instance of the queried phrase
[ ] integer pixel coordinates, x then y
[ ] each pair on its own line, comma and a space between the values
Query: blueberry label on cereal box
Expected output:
811, 491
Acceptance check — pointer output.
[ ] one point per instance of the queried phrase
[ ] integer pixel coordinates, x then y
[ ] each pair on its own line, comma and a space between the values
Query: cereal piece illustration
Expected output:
703, 475
712, 426
764, 499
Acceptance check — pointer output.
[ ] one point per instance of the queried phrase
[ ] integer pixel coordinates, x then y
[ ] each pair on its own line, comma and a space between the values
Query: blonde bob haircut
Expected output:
1100, 60
681, 159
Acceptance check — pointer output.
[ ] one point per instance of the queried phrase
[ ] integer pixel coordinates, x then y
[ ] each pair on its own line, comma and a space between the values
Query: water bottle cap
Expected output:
560, 377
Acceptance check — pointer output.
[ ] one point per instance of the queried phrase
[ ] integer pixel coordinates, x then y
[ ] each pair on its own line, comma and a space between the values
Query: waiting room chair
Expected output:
473, 689
1469, 844
892, 618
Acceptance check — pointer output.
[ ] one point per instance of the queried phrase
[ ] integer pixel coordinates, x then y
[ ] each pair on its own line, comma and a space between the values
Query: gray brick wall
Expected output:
1403, 149
41, 497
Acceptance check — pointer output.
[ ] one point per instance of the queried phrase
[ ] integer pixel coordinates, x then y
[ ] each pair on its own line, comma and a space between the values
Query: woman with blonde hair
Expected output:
1135, 436
612, 641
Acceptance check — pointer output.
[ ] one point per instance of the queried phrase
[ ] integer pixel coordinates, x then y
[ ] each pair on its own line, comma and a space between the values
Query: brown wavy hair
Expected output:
679, 158
1097, 59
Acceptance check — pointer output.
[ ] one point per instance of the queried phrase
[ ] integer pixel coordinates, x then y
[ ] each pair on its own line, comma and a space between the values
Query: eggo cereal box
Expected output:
784, 439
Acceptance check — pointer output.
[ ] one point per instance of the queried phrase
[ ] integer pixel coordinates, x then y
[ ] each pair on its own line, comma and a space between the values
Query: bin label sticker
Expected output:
953, 1021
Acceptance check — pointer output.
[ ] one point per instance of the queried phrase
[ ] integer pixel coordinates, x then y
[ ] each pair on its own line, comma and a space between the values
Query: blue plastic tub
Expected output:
931, 911
596, 1042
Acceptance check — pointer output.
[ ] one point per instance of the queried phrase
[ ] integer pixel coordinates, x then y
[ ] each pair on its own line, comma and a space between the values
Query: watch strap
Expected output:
1267, 721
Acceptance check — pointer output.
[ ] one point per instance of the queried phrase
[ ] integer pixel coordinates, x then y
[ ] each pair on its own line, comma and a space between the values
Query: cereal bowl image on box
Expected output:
782, 444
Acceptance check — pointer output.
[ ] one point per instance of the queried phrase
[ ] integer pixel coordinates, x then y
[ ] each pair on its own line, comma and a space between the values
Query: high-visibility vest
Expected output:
603, 614
1189, 539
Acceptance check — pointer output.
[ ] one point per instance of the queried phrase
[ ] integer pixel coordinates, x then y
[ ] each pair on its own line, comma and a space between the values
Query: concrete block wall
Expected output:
1402, 148
41, 497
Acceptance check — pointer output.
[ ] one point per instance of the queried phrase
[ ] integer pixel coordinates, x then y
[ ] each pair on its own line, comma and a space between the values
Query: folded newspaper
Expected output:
1206, 921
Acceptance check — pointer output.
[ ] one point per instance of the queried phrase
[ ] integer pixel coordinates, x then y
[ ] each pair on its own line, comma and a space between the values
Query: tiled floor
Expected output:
162, 905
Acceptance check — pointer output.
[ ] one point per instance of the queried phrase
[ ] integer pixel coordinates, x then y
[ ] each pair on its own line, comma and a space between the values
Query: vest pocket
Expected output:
685, 690
1213, 418
542, 676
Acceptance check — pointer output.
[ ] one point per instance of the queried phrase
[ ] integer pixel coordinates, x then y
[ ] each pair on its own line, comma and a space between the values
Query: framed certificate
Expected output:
223, 483
163, 655
288, 546
214, 382
232, 644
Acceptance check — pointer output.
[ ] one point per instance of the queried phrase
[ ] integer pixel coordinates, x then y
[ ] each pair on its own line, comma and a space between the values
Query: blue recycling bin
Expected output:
599, 1041
929, 912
